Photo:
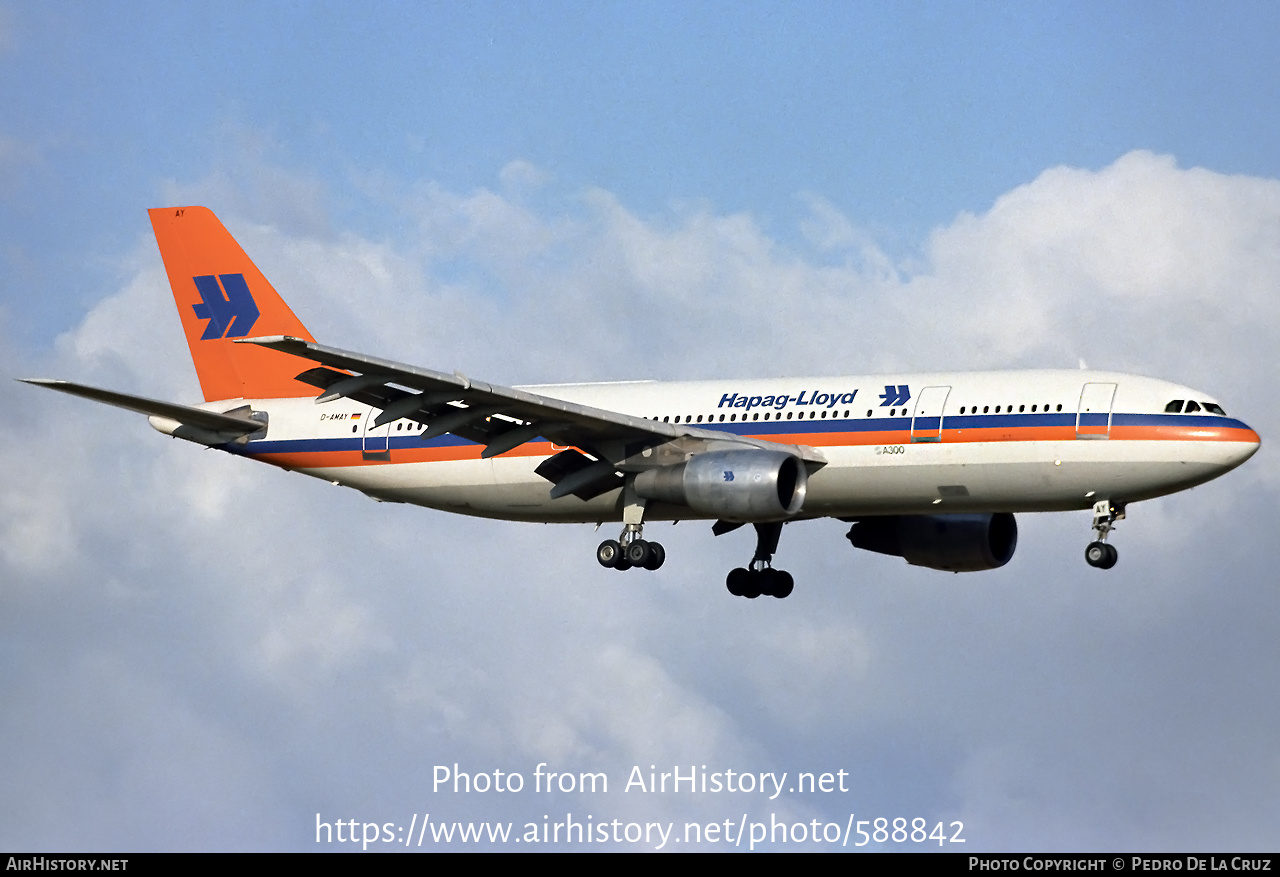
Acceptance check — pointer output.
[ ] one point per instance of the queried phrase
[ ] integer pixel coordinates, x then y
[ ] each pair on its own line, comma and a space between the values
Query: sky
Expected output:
204, 654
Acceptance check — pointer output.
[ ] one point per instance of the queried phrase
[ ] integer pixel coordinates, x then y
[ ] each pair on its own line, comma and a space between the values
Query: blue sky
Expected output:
903, 116
543, 192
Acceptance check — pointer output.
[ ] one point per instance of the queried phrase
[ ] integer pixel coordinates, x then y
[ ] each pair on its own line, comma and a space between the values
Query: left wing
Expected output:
503, 418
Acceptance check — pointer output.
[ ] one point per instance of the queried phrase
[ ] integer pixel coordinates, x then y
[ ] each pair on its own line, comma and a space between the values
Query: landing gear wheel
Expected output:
609, 553
657, 554
1101, 555
637, 553
760, 577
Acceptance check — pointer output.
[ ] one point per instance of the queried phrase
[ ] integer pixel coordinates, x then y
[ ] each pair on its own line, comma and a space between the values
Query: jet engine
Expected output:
954, 543
744, 485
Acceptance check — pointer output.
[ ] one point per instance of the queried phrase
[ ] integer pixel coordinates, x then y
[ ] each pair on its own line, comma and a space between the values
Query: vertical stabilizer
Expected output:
222, 296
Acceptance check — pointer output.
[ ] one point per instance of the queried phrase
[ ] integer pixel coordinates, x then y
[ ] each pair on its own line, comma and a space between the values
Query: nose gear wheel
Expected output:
1100, 554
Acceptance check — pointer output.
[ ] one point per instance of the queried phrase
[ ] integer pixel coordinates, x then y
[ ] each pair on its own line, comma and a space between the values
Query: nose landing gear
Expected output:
1099, 553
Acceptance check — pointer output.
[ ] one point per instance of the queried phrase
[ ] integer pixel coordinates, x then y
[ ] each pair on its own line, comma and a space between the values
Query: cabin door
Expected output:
926, 422
375, 444
1093, 418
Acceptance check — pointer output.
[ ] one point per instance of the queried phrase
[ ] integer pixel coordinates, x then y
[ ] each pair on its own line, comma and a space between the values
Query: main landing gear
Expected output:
1100, 554
760, 577
630, 550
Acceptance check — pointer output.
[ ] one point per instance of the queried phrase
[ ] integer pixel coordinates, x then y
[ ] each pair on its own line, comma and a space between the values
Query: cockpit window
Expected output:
1213, 408
1191, 406
1174, 407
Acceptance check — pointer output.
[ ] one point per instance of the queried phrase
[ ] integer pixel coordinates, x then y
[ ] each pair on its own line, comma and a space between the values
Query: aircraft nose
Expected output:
1245, 445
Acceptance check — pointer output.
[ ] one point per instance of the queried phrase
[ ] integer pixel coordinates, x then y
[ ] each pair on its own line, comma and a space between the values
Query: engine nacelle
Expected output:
955, 543
731, 485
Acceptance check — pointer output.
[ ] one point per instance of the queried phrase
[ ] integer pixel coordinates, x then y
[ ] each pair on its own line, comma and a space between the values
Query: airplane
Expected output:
928, 467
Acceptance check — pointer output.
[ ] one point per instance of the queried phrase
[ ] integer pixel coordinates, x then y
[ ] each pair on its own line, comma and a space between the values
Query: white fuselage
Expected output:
894, 444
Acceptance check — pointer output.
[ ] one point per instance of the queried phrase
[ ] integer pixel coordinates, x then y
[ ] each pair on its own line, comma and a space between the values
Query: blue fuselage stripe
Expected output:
765, 428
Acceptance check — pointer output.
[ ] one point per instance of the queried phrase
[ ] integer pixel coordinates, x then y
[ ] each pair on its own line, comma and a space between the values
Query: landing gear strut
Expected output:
1100, 554
760, 577
630, 549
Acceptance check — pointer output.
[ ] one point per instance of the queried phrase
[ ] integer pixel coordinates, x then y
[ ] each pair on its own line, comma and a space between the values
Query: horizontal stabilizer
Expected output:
186, 415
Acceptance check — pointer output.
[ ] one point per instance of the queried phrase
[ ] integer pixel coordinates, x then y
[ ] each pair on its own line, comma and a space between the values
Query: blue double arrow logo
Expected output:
229, 307
895, 395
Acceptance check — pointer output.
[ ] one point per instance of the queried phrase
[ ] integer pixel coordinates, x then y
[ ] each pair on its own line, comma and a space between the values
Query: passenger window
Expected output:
1174, 407
788, 415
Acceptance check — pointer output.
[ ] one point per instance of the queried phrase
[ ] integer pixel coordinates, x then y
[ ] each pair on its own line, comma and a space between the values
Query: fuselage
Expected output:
894, 444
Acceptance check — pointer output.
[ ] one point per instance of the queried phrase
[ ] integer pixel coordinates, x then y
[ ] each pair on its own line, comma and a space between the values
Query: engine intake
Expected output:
731, 485
954, 543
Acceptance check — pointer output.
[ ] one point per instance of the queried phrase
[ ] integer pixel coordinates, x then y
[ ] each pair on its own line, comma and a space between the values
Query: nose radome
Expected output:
1245, 447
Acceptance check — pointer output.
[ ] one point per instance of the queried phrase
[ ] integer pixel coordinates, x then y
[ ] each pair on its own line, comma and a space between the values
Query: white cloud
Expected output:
522, 176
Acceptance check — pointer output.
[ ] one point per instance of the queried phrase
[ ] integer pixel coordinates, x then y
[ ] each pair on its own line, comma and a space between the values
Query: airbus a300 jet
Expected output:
928, 467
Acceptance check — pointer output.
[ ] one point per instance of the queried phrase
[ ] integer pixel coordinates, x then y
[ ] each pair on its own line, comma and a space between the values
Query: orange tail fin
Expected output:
221, 296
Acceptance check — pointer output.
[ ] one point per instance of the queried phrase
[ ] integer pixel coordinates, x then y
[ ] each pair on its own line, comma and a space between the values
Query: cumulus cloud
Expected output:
321, 653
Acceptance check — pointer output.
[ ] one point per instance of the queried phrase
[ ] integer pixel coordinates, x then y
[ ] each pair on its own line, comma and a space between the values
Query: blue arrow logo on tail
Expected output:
895, 395
229, 308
